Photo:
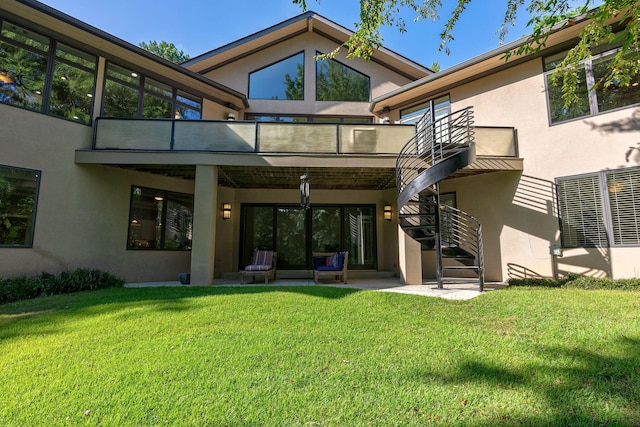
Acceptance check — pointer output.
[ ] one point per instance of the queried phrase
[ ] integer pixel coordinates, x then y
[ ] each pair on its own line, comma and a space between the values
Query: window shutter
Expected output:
624, 201
581, 214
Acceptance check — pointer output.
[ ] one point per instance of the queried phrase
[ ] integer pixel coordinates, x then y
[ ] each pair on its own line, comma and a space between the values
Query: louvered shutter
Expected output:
581, 212
624, 203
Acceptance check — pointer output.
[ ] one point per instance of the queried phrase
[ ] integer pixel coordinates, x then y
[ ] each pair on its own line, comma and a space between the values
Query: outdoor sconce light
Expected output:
226, 210
387, 212
231, 116
385, 120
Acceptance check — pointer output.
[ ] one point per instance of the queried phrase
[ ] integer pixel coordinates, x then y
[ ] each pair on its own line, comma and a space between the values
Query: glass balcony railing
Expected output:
269, 137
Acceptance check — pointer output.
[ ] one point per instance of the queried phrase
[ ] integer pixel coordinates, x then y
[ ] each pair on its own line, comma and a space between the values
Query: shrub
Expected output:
80, 279
578, 281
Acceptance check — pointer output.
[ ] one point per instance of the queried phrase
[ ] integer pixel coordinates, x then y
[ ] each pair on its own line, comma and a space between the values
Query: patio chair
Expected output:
263, 263
333, 264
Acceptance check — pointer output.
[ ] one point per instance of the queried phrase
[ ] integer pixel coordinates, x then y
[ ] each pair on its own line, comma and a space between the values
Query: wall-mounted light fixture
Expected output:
226, 210
387, 212
231, 116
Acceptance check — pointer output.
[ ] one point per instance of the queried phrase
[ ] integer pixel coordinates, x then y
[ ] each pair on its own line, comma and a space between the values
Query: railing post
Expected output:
173, 134
438, 242
480, 257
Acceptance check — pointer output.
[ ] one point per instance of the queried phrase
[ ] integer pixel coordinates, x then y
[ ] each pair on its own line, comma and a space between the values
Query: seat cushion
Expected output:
257, 267
262, 257
337, 260
328, 268
319, 261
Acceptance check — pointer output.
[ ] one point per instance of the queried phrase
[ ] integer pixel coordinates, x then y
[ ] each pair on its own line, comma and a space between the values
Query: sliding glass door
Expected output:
296, 233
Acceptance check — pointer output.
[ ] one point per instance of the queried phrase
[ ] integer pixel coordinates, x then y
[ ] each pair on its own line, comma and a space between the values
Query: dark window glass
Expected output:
24, 60
18, 200
276, 118
325, 229
611, 95
306, 119
257, 231
559, 112
83, 60
337, 82
188, 106
23, 67
160, 220
72, 85
22, 74
593, 98
120, 100
121, 92
283, 80
124, 88
291, 239
22, 36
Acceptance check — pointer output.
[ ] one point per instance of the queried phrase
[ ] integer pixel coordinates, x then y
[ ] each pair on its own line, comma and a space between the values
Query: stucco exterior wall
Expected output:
82, 210
518, 211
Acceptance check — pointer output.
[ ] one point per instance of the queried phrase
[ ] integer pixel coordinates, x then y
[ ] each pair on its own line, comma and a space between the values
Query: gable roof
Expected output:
303, 23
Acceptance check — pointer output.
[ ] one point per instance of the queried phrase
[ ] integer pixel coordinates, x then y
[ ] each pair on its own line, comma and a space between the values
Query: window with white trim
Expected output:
600, 209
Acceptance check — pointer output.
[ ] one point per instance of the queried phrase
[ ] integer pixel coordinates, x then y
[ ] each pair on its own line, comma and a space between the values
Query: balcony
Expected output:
159, 135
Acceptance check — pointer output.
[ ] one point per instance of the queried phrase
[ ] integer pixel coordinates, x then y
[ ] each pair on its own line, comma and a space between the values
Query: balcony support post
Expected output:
205, 216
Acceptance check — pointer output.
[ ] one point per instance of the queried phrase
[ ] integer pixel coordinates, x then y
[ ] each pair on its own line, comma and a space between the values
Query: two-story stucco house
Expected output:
116, 159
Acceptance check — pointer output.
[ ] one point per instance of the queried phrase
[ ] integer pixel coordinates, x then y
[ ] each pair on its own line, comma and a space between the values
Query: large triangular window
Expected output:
283, 80
337, 82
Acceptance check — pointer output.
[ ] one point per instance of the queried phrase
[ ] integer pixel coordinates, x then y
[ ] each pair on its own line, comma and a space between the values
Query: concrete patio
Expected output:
451, 291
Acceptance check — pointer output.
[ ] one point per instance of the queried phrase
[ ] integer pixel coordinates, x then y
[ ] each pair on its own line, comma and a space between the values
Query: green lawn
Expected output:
320, 356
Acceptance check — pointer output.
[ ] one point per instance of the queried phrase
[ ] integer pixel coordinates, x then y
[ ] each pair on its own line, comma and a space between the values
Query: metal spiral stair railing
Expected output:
439, 148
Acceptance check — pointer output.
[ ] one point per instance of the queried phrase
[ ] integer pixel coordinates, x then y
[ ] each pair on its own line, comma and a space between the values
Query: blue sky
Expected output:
198, 26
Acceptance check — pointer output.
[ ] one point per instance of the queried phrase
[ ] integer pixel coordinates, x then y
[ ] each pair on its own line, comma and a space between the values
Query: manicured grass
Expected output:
320, 356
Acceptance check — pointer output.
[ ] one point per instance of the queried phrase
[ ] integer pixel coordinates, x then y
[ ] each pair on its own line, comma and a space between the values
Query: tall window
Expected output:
600, 209
130, 94
594, 94
43, 75
283, 80
160, 219
337, 82
18, 200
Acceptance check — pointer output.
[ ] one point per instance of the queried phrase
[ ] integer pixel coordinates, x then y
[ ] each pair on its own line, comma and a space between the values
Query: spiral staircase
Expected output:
440, 147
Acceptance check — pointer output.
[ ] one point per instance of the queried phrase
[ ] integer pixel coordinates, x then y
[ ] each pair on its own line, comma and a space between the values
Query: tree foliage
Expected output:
545, 15
165, 50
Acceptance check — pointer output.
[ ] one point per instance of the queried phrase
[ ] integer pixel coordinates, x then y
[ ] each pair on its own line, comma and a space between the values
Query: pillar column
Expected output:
205, 216
409, 259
